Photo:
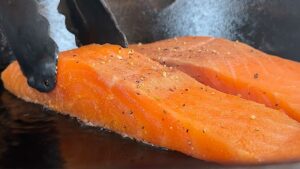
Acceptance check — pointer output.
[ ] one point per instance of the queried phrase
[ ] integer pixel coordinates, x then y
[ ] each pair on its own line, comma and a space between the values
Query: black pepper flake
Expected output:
77, 61
74, 55
276, 105
143, 127
187, 130
137, 93
183, 105
186, 89
255, 76
123, 112
170, 89
130, 112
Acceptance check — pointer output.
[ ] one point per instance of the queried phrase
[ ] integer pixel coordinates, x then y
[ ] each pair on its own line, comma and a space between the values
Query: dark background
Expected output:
270, 25
33, 137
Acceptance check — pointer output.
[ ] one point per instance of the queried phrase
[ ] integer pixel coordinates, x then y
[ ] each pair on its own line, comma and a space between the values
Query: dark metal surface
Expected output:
26, 33
6, 54
33, 137
270, 25
92, 22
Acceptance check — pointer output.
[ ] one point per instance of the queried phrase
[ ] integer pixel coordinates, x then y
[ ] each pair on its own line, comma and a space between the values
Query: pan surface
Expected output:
33, 137
269, 25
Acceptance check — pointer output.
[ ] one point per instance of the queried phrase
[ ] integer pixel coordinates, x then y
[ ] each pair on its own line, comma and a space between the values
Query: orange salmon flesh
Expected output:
128, 93
233, 68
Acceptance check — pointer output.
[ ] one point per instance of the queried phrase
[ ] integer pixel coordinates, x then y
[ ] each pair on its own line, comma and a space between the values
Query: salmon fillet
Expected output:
233, 68
126, 92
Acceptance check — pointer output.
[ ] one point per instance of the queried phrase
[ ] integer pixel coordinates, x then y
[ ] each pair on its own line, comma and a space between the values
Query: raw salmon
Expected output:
126, 92
234, 68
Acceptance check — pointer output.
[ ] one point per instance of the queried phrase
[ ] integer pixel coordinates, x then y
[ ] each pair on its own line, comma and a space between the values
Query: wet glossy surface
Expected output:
33, 137
269, 25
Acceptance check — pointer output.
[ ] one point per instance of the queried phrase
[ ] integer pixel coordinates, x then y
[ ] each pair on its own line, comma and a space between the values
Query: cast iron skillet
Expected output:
33, 137
270, 25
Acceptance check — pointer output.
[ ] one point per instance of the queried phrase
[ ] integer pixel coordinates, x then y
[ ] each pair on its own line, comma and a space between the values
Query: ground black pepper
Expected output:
255, 76
170, 89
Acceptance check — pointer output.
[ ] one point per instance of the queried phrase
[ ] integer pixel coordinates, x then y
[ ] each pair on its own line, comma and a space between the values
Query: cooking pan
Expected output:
34, 137
269, 25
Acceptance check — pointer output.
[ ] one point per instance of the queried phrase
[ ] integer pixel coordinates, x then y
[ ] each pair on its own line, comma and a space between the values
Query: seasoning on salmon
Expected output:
101, 89
233, 68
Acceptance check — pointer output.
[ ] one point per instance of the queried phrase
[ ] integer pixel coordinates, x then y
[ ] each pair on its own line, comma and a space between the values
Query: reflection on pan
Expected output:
33, 137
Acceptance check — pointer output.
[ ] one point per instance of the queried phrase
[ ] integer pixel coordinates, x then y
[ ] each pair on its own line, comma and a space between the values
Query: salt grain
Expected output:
164, 74
130, 51
252, 117
119, 57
